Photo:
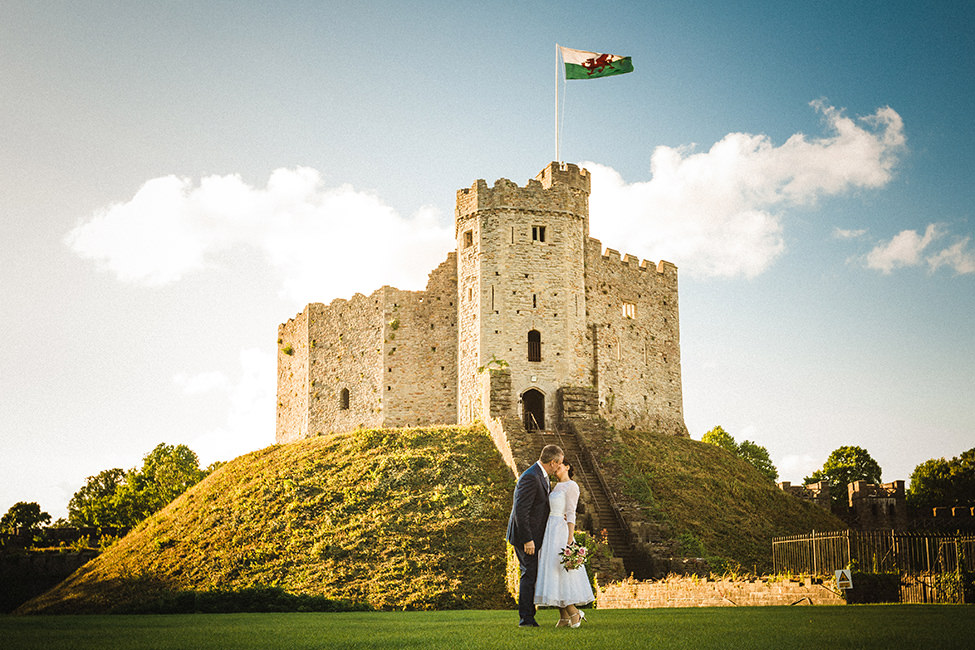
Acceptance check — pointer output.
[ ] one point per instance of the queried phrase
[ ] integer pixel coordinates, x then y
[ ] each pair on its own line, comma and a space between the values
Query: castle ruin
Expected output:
528, 321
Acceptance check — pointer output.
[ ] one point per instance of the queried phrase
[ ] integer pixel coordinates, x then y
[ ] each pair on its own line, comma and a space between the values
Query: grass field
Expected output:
869, 626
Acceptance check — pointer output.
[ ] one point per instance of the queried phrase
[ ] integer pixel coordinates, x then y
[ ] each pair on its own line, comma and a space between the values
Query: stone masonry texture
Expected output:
525, 267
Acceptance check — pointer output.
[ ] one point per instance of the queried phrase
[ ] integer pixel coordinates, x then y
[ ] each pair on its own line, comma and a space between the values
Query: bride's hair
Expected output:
569, 467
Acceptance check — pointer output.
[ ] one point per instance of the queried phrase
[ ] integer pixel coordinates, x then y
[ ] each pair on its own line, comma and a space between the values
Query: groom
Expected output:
526, 525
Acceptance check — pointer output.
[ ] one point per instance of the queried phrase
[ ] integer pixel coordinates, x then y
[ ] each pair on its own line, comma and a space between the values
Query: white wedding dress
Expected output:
555, 586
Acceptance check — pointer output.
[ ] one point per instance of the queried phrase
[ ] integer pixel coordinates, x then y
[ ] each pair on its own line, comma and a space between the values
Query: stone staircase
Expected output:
597, 512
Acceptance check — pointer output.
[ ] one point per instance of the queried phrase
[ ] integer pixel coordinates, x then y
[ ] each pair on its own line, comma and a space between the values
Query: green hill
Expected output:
396, 519
409, 518
707, 494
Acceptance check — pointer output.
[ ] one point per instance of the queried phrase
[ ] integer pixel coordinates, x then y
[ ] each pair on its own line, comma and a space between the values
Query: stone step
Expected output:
599, 503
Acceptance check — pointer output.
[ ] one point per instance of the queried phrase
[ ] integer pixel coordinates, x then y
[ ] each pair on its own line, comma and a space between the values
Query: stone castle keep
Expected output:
528, 321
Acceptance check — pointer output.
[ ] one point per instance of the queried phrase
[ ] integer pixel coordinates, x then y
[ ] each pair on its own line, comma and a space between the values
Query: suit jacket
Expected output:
529, 510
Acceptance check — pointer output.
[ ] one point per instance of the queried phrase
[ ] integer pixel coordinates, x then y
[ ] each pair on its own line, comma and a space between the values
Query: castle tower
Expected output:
521, 255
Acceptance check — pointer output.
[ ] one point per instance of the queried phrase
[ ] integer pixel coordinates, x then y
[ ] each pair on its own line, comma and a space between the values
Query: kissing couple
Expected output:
542, 523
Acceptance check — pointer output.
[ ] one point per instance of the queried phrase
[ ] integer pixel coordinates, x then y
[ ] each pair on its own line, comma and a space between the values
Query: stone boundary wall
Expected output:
636, 353
24, 576
698, 592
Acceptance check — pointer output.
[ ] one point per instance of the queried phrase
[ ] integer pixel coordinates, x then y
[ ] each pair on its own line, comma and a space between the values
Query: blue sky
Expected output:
178, 178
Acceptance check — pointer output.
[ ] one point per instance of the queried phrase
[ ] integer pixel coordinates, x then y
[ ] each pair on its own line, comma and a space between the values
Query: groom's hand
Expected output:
530, 547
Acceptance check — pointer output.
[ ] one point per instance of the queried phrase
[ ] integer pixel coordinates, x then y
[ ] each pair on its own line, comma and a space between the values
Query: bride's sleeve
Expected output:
571, 501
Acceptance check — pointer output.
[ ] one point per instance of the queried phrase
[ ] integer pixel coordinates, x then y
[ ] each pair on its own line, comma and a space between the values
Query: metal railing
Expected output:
908, 553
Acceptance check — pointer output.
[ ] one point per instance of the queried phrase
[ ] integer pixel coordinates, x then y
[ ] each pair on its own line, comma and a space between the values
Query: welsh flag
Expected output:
589, 65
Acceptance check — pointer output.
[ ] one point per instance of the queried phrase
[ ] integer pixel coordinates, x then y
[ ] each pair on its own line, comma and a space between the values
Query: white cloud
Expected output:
201, 383
908, 248
714, 213
958, 257
324, 242
795, 467
250, 409
718, 213
903, 250
840, 233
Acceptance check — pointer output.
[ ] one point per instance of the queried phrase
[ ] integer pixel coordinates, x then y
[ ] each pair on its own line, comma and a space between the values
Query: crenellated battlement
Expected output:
560, 187
564, 174
613, 258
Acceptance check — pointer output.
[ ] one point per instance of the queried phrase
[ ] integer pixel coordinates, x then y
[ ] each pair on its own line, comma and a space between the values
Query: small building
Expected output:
875, 507
816, 493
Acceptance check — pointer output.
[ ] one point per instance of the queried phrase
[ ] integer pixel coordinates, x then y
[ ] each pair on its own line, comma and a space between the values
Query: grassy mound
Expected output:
711, 497
410, 518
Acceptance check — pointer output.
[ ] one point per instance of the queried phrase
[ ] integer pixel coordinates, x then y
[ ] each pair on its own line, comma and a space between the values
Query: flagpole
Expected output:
557, 159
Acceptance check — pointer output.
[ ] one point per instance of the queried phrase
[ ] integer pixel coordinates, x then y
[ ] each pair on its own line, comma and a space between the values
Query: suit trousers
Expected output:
526, 587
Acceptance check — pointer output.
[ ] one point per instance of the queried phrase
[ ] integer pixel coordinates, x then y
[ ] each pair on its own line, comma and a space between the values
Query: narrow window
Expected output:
534, 301
538, 233
534, 345
468, 239
629, 310
344, 399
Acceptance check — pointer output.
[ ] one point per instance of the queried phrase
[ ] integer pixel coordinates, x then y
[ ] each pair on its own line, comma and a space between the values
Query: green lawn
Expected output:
870, 626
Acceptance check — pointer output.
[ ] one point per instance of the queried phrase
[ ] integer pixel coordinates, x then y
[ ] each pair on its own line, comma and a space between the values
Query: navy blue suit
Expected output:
529, 514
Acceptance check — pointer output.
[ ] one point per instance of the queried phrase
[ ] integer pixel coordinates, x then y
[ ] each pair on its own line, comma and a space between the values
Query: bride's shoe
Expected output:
563, 622
582, 617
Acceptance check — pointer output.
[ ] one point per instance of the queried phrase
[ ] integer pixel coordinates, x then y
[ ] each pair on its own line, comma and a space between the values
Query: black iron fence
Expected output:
911, 553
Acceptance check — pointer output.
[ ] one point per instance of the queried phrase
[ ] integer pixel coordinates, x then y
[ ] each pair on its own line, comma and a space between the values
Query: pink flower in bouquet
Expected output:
573, 556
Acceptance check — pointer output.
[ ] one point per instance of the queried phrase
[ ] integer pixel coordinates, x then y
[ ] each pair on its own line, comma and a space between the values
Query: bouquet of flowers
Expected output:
573, 556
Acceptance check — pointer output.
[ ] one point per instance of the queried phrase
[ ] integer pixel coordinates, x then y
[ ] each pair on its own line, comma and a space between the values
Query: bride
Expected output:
555, 586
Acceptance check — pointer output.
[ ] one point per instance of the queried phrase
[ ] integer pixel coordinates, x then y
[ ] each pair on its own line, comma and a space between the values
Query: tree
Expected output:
123, 499
749, 451
25, 516
167, 472
758, 456
94, 504
844, 466
720, 438
938, 482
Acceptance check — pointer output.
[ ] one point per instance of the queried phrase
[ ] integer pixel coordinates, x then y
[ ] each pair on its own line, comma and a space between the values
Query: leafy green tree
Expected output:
748, 451
24, 515
939, 482
720, 438
167, 472
117, 498
758, 456
94, 503
843, 466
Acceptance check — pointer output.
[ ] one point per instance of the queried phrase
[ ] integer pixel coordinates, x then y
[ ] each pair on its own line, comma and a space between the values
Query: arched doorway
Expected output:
533, 407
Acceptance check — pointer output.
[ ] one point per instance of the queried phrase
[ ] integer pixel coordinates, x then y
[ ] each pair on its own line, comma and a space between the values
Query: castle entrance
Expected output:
533, 405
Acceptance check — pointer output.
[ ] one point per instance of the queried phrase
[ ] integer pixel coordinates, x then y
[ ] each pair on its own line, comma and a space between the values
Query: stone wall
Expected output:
420, 342
292, 404
816, 493
698, 592
394, 351
877, 507
521, 269
24, 576
634, 335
